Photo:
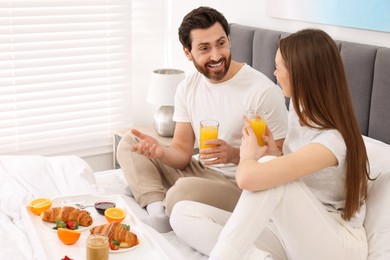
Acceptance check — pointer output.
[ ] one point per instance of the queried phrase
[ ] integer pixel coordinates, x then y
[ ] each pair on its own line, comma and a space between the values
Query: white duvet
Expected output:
24, 178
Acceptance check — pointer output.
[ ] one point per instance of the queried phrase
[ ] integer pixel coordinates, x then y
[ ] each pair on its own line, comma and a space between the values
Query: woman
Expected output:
311, 196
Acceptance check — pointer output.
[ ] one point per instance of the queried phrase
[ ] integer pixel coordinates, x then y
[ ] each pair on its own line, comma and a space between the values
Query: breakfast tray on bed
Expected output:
47, 245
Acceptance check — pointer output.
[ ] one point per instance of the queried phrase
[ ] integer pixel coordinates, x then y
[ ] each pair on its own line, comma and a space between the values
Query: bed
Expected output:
26, 177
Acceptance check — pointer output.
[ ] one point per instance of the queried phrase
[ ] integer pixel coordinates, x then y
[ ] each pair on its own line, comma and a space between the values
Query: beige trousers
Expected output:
151, 180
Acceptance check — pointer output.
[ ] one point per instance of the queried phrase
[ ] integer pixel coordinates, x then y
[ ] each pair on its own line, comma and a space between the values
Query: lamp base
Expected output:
162, 121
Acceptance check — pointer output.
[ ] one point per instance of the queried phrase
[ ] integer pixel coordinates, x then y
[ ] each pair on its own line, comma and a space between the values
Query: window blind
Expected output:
65, 75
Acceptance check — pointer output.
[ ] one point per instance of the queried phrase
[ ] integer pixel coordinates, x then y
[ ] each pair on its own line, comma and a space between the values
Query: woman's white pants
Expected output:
287, 221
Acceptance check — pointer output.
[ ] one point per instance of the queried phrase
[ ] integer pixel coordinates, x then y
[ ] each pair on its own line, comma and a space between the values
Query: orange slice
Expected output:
115, 214
68, 236
38, 206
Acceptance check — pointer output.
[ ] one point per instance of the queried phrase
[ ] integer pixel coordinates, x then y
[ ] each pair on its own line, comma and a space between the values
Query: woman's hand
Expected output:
250, 148
269, 140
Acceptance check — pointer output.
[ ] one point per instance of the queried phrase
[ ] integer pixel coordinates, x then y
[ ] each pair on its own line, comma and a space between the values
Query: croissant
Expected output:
115, 231
67, 214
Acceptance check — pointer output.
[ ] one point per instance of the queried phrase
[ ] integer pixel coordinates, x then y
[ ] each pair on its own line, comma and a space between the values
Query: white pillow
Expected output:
377, 222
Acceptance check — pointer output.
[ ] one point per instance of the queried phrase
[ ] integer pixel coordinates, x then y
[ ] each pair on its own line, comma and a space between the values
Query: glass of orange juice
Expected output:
208, 131
258, 125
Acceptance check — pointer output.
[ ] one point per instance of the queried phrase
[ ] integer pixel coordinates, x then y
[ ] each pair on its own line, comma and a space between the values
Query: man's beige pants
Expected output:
150, 180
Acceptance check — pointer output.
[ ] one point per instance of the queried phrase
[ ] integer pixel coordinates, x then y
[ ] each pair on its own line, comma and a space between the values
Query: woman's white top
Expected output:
327, 184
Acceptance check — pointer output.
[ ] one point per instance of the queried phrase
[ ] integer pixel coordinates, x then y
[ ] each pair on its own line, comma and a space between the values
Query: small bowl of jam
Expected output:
101, 206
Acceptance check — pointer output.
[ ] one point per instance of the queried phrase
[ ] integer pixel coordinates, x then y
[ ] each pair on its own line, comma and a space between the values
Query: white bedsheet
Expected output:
113, 181
24, 178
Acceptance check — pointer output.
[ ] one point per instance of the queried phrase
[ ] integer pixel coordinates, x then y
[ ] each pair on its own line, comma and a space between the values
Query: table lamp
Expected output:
162, 89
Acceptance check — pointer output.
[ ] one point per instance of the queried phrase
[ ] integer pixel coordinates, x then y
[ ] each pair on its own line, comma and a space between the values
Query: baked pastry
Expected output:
66, 214
116, 231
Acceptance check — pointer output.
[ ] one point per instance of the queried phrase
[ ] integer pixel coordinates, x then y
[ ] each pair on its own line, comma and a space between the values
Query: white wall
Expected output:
153, 51
149, 48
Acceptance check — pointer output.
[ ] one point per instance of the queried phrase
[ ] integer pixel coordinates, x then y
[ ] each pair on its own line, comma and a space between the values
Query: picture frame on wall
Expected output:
360, 14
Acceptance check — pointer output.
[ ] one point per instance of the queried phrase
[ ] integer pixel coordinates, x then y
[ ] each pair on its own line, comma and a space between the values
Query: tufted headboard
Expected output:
367, 68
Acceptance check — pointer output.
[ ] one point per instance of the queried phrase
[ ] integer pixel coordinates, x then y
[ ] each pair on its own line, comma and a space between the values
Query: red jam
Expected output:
101, 206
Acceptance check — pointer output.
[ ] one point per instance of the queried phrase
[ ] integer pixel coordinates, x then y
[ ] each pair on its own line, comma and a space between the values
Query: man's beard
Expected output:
212, 75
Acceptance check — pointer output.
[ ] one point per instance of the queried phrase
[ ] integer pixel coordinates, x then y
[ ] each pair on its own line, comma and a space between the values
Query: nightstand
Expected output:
149, 130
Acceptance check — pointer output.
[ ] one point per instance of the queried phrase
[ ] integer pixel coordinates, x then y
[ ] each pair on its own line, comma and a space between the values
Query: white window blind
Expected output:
65, 75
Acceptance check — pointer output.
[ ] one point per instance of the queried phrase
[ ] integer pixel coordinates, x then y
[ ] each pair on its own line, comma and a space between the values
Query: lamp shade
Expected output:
163, 84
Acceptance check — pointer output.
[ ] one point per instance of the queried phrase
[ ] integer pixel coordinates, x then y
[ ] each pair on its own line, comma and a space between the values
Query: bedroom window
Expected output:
65, 75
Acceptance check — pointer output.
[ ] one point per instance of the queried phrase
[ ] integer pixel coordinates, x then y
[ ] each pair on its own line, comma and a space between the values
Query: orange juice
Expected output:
258, 125
208, 131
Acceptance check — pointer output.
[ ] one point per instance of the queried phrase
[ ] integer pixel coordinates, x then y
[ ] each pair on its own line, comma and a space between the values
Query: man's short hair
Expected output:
200, 18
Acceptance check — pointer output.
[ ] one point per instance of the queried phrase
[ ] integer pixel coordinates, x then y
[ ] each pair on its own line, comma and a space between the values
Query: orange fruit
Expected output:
115, 214
38, 206
68, 236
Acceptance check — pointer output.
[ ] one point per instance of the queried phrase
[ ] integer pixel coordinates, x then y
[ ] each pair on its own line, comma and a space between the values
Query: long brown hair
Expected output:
320, 95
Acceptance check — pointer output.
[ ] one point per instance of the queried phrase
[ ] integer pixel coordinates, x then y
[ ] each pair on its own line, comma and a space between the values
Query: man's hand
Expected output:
221, 153
147, 146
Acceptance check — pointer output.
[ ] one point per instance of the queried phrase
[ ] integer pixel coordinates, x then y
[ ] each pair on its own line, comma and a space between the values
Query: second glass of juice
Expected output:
258, 125
208, 131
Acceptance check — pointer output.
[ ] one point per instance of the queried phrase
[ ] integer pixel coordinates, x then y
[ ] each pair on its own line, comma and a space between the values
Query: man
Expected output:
221, 89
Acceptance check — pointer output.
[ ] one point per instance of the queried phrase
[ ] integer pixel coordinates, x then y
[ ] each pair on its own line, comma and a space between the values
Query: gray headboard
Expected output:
367, 68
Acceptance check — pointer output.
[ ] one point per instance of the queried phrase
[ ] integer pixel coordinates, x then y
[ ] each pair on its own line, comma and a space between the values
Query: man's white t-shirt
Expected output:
197, 99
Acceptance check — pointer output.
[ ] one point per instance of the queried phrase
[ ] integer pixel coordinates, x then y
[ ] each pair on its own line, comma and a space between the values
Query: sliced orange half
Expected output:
115, 214
68, 236
38, 206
